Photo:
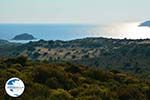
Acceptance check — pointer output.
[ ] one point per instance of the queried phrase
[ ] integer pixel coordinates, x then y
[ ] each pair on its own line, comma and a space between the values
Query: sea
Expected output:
70, 31
48, 31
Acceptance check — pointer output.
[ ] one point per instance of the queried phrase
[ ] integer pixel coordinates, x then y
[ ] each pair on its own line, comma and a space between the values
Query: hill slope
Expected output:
66, 81
122, 54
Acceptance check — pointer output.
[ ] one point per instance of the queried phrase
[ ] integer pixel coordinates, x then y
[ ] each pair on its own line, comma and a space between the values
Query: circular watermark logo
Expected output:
14, 87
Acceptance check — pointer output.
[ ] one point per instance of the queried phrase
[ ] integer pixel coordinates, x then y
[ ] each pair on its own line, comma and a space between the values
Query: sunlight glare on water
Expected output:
130, 30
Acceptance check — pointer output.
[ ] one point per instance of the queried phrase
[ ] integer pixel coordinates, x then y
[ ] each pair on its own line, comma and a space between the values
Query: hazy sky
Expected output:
73, 11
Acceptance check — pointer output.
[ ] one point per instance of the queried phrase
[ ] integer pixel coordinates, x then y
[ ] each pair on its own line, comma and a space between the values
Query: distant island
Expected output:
146, 24
24, 36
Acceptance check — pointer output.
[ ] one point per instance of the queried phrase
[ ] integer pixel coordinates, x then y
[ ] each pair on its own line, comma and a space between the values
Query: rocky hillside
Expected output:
77, 49
122, 54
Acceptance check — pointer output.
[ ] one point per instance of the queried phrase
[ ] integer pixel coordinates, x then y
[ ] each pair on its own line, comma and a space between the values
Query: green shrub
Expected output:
60, 94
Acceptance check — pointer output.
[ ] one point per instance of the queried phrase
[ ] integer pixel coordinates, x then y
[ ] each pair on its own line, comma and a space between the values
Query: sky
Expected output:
73, 11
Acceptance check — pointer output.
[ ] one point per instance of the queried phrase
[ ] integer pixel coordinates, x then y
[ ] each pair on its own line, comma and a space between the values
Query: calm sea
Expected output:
74, 31
50, 31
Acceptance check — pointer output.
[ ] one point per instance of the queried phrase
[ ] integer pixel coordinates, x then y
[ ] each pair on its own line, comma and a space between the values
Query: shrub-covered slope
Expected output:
121, 54
66, 81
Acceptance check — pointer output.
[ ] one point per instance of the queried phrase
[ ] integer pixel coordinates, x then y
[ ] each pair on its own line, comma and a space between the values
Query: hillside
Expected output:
121, 54
6, 47
66, 81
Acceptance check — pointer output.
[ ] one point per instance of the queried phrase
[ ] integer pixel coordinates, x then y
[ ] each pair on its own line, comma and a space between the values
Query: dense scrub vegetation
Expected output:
66, 81
7, 47
134, 58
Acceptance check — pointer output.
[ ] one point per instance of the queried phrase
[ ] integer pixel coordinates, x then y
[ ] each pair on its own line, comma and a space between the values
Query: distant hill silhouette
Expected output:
24, 36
